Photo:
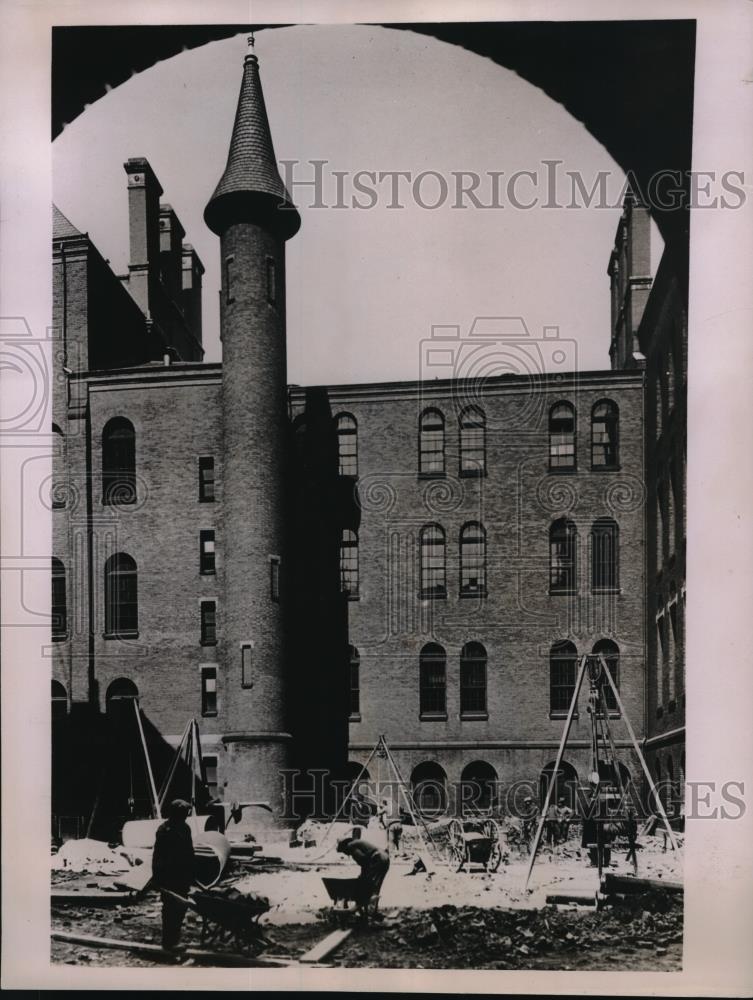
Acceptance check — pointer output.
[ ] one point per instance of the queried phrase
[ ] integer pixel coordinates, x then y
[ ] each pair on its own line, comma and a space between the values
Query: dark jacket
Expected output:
173, 858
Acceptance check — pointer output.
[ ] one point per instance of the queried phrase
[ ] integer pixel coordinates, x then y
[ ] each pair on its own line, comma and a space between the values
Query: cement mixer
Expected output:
211, 848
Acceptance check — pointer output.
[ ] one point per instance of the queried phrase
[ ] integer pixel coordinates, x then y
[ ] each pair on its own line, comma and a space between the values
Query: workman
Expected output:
360, 812
564, 817
373, 861
391, 819
173, 869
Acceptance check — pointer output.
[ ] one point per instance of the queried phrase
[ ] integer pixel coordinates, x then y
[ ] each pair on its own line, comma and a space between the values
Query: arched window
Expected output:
562, 673
472, 560
432, 682
354, 668
118, 462
349, 564
611, 653
604, 552
605, 424
473, 679
59, 603
432, 544
429, 788
565, 784
431, 444
472, 442
121, 596
478, 787
347, 444
58, 492
563, 538
562, 436
59, 701
120, 695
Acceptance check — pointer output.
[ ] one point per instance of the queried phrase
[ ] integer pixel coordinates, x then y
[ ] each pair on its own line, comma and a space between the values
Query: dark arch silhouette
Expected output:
643, 68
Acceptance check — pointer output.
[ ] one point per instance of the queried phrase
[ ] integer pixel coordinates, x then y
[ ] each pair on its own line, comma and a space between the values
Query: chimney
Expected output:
171, 235
193, 269
144, 191
630, 282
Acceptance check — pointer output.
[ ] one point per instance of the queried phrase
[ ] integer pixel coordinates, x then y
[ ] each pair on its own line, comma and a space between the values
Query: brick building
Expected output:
650, 332
304, 569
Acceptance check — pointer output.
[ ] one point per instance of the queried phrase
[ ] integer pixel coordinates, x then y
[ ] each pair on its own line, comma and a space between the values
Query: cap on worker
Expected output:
178, 809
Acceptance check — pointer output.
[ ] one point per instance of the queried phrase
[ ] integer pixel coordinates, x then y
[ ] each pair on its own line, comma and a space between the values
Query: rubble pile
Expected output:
470, 937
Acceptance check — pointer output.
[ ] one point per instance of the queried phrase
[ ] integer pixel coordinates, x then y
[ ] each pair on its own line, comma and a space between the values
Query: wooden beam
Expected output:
147, 948
327, 946
631, 884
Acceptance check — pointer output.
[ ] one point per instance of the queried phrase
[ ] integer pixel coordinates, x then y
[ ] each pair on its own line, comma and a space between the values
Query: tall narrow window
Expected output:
562, 673
563, 539
472, 442
562, 437
473, 679
118, 462
208, 623
121, 596
274, 578
206, 553
472, 560
604, 435
604, 561
247, 665
209, 690
432, 544
210, 774
431, 444
271, 281
611, 653
347, 444
59, 604
58, 491
349, 564
354, 672
206, 479
432, 683
229, 275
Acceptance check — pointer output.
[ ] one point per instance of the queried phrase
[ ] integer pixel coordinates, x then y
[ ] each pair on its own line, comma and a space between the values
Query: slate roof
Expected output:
251, 182
62, 227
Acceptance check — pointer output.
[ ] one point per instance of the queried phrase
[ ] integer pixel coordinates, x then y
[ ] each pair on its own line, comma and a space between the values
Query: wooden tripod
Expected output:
598, 708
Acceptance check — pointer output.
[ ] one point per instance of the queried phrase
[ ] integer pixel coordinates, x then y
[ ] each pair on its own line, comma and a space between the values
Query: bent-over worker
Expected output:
173, 869
373, 861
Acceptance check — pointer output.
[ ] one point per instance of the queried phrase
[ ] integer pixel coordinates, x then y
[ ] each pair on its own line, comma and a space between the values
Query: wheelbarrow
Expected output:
474, 842
352, 890
229, 918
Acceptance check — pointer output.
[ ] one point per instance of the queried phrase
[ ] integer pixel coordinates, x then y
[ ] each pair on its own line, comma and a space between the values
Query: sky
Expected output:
366, 286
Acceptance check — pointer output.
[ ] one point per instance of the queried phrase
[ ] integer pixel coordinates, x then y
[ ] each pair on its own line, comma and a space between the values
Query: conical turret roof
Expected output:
251, 189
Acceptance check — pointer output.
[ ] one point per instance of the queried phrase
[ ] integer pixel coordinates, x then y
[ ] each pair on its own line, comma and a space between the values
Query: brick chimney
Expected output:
171, 234
144, 192
193, 270
630, 282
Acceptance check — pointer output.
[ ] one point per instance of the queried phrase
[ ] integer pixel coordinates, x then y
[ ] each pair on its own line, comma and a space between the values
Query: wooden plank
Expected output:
92, 897
631, 884
327, 946
581, 898
147, 948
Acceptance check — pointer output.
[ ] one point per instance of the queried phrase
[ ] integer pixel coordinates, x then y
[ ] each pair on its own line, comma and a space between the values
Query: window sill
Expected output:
209, 715
606, 468
352, 597
472, 473
473, 716
432, 595
121, 635
432, 475
480, 592
561, 470
354, 717
562, 592
206, 499
606, 590
433, 716
563, 715
60, 638
208, 642
208, 572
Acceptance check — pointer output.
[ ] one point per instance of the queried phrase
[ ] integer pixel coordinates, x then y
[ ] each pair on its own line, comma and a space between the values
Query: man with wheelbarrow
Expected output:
373, 861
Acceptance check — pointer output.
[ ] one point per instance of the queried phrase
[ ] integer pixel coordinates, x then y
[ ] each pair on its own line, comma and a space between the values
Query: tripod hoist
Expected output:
603, 758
